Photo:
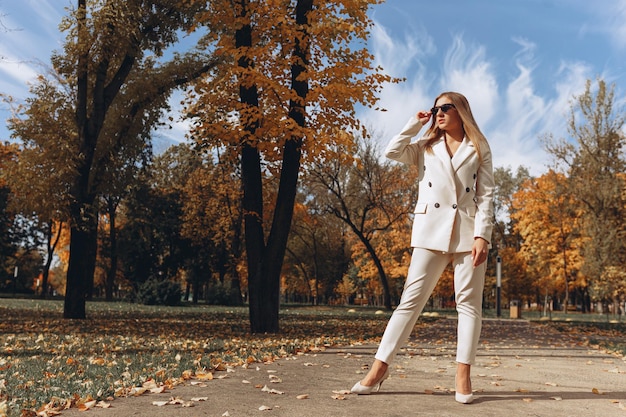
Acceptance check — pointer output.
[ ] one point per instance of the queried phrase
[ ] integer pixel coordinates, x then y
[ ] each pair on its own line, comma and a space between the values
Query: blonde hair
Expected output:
470, 127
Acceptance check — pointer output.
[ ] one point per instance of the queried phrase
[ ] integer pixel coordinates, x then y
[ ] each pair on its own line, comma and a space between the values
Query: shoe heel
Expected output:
360, 389
463, 398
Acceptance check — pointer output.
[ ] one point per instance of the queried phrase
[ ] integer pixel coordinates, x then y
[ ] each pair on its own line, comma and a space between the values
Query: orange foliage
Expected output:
340, 74
548, 221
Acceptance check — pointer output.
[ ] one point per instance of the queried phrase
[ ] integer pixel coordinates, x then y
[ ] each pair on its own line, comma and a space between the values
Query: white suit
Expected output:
455, 206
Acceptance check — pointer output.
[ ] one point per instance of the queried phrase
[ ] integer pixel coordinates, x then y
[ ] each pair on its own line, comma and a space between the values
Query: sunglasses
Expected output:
444, 108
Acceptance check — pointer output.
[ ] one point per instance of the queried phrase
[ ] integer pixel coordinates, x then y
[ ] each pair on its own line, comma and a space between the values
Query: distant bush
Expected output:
221, 294
159, 292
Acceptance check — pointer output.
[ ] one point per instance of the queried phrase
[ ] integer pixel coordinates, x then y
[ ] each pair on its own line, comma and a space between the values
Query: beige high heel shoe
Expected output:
360, 389
462, 398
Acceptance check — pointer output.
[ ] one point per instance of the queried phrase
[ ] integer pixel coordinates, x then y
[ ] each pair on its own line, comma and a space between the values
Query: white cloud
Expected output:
615, 15
399, 58
514, 116
26, 49
468, 71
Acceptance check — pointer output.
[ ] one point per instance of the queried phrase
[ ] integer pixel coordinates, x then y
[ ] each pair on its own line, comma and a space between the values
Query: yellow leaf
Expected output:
149, 384
302, 397
86, 405
204, 376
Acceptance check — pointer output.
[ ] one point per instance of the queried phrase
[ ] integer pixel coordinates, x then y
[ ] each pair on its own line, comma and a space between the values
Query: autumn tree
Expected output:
117, 89
547, 219
298, 69
151, 242
213, 222
506, 241
593, 160
8, 247
507, 184
40, 176
370, 196
317, 251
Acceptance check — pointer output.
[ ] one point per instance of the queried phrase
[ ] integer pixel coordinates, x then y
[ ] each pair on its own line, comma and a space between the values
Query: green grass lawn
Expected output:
49, 361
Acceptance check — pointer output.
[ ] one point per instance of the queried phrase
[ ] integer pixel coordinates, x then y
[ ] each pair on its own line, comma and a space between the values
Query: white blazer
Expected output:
455, 200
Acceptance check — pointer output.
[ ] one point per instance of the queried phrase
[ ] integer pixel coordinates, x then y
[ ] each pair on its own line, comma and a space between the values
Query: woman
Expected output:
452, 224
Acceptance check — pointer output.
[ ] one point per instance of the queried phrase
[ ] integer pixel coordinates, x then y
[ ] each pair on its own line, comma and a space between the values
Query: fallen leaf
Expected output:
342, 392
176, 400
264, 408
149, 384
556, 398
338, 397
137, 391
302, 396
87, 405
597, 391
271, 391
200, 399
160, 403
204, 376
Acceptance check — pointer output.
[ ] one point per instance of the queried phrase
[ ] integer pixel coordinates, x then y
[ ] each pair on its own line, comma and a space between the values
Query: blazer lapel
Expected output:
439, 149
466, 149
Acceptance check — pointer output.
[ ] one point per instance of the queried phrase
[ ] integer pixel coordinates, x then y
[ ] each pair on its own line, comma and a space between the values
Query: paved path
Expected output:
522, 369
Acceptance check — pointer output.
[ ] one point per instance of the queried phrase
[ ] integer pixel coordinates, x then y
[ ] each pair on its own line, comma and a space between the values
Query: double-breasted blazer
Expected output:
455, 197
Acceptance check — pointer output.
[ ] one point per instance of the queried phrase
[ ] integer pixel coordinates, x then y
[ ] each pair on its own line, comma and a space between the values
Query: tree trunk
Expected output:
265, 262
51, 245
82, 262
379, 266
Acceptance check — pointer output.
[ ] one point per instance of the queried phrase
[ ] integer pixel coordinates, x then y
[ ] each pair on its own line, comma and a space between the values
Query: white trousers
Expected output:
424, 271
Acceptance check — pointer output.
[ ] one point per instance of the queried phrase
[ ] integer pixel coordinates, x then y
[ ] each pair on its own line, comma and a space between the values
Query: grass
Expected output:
48, 361
47, 358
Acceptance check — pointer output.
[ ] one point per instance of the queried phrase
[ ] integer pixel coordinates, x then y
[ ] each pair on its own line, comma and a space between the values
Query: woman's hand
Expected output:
480, 249
423, 116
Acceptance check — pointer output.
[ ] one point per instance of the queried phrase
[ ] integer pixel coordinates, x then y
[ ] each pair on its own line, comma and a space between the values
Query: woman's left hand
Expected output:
480, 249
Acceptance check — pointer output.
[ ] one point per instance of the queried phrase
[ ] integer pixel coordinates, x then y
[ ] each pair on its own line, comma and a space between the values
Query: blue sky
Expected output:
519, 62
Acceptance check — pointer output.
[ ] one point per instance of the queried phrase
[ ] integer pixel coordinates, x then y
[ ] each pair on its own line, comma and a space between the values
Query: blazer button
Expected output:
474, 176
454, 206
467, 189
436, 205
430, 184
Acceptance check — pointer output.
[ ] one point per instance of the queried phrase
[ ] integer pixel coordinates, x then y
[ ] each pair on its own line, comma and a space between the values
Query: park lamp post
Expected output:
15, 280
498, 284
